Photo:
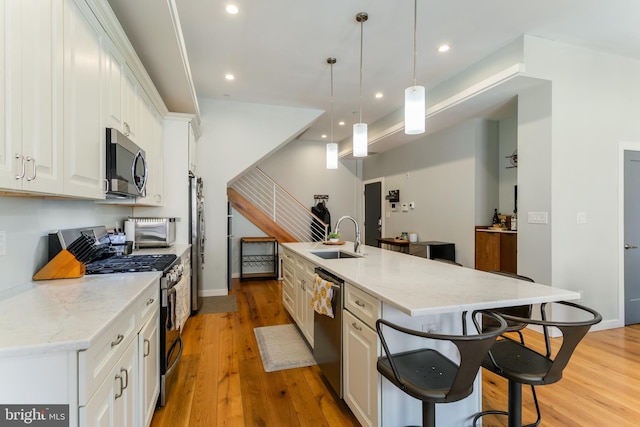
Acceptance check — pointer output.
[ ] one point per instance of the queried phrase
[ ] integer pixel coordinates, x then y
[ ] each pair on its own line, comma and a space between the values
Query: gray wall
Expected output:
452, 178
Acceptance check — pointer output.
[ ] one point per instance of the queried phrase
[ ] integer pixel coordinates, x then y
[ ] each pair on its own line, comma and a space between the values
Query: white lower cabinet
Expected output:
297, 292
114, 402
149, 361
360, 352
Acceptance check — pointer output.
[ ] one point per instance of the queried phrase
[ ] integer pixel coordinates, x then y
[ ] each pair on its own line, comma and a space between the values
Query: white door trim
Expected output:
622, 147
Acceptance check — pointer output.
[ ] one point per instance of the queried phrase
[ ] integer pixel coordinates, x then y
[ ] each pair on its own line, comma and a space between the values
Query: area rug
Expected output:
282, 347
221, 304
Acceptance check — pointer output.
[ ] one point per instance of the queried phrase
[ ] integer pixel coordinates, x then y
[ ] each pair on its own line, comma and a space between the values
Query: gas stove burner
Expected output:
131, 264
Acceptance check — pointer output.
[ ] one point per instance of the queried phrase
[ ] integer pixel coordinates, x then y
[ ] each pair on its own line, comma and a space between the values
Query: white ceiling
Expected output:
277, 49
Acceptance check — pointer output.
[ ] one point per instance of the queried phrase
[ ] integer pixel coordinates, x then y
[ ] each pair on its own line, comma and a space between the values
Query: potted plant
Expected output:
334, 237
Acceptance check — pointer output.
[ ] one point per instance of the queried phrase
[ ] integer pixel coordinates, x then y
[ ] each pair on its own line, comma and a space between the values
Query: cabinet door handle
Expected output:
118, 340
356, 327
33, 169
119, 394
630, 246
147, 349
302, 284
359, 304
126, 377
150, 301
21, 158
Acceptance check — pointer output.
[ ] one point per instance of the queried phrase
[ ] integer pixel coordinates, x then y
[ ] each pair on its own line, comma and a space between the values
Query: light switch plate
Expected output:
538, 217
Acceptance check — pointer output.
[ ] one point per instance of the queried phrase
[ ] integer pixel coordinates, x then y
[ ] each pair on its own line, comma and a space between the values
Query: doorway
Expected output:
631, 221
373, 211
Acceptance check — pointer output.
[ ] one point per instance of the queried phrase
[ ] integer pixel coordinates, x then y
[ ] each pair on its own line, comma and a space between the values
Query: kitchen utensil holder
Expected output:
63, 266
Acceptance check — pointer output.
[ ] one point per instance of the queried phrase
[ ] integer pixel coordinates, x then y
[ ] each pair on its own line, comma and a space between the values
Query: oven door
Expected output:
170, 342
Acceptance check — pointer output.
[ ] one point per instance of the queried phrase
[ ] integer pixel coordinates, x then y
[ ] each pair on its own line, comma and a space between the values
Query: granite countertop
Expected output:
68, 314
419, 286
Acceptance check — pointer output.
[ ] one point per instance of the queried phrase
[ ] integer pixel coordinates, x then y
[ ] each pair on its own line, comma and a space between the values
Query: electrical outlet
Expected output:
582, 218
3, 242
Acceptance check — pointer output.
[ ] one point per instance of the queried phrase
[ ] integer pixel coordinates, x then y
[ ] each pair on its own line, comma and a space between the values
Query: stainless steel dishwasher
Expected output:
327, 338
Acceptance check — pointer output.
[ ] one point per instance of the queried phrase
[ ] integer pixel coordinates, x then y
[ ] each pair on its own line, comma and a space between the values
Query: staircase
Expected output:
273, 210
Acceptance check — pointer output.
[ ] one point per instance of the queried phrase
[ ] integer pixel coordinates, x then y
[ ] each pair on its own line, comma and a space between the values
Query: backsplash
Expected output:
27, 222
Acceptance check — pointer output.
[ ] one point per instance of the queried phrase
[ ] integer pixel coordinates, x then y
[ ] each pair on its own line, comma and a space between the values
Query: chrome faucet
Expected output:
356, 244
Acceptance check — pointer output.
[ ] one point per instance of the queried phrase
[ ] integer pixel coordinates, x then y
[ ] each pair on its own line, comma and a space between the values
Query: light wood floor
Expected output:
220, 380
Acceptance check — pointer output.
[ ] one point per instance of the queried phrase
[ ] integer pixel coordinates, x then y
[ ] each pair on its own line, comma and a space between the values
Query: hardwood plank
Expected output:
229, 406
205, 393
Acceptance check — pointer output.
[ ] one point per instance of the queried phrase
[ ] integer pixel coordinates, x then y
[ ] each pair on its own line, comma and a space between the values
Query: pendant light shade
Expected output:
332, 155
414, 110
332, 147
360, 134
414, 99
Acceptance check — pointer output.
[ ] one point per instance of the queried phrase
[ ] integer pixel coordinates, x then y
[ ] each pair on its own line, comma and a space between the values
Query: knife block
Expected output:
63, 266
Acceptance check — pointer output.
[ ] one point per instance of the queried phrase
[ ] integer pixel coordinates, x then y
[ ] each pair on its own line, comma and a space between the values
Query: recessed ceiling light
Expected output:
340, 123
324, 136
229, 76
379, 95
231, 9
444, 48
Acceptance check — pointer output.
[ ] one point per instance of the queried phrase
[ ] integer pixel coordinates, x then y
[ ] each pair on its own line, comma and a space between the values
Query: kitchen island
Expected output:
417, 293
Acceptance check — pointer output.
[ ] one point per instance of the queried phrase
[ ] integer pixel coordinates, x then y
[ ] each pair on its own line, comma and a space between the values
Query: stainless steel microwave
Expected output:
126, 170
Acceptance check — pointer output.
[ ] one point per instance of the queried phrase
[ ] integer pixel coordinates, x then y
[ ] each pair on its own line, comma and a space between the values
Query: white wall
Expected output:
235, 136
594, 102
300, 167
27, 222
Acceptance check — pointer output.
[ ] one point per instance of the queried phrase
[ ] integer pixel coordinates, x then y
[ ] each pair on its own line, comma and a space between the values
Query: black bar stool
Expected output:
520, 364
428, 375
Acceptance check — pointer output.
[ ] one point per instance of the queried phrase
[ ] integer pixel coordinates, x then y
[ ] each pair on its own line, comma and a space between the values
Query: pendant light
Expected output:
360, 143
414, 103
332, 147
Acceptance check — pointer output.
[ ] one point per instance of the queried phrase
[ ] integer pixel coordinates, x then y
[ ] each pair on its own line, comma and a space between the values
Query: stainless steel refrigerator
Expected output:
197, 238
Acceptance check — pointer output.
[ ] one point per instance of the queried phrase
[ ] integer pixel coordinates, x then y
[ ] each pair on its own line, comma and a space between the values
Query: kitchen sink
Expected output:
334, 254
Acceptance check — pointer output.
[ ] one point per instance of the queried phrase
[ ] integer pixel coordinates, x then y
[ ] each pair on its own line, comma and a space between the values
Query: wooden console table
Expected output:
390, 243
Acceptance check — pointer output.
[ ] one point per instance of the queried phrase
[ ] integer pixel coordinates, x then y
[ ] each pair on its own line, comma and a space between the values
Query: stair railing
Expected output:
276, 202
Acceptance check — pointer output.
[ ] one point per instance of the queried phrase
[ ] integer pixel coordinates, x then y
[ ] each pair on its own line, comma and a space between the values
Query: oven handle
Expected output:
175, 362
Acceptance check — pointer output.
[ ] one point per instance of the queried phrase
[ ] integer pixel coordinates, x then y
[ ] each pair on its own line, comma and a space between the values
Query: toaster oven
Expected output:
154, 232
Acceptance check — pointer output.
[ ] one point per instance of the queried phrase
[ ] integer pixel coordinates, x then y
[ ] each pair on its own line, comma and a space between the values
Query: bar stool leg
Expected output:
515, 404
428, 414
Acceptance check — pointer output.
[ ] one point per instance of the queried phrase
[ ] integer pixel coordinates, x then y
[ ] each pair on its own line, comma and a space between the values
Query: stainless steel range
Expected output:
174, 275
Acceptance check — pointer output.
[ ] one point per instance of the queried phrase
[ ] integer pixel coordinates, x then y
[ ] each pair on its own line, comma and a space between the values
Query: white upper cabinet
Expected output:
84, 129
67, 74
31, 92
131, 105
113, 76
149, 138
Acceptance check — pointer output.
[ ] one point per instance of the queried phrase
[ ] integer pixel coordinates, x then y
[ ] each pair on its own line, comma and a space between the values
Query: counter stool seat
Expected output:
520, 364
428, 375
